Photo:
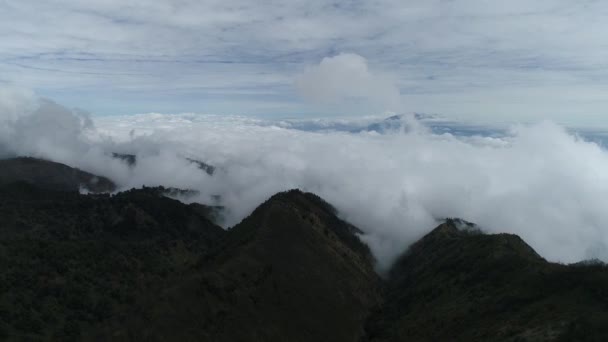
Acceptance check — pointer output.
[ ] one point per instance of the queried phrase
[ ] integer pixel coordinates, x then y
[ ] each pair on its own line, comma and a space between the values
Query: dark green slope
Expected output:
308, 276
139, 266
461, 285
50, 175
72, 262
291, 271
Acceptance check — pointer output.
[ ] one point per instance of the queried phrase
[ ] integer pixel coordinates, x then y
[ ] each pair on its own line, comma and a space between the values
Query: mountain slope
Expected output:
291, 271
72, 262
461, 285
50, 175
311, 278
140, 266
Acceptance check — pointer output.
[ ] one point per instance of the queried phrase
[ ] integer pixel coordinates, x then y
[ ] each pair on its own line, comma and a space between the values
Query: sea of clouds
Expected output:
537, 181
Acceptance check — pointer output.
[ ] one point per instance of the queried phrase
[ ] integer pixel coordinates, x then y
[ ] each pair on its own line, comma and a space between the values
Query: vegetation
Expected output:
140, 266
71, 261
459, 285
50, 175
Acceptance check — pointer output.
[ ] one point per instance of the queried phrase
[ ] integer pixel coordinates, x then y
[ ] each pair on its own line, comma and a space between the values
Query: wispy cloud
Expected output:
461, 57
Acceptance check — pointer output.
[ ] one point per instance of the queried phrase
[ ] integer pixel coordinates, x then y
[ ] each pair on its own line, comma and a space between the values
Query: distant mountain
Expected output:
131, 161
393, 123
396, 123
50, 175
382, 126
436, 125
209, 169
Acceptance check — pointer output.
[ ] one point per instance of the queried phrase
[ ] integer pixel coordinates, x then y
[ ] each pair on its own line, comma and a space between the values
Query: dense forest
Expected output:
138, 265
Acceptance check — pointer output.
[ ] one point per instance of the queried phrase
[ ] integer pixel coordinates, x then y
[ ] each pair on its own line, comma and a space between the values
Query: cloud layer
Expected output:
538, 181
517, 60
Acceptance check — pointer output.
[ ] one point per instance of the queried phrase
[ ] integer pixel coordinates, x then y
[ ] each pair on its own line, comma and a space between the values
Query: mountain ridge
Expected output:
139, 265
51, 175
461, 285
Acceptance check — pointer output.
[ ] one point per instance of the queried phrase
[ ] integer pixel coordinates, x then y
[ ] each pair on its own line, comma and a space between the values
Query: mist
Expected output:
538, 181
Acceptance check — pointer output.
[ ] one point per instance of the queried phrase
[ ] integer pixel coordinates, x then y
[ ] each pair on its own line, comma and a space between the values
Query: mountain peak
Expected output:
305, 269
458, 282
304, 200
457, 234
310, 214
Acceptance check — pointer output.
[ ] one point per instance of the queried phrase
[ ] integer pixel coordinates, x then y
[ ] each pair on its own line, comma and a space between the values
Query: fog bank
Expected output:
538, 181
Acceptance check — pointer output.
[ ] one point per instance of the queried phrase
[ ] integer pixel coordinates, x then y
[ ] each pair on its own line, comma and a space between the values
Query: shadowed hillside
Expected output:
306, 274
71, 262
140, 266
51, 175
291, 271
460, 285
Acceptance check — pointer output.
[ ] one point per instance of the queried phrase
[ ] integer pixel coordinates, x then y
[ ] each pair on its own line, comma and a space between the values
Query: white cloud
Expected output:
14, 102
539, 182
201, 55
346, 77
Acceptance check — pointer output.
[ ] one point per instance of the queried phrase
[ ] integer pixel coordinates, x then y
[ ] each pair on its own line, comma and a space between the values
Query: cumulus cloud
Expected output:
537, 181
347, 77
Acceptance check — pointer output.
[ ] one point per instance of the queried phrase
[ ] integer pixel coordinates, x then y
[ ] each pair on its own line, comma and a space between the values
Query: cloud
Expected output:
346, 77
537, 181
14, 102
458, 57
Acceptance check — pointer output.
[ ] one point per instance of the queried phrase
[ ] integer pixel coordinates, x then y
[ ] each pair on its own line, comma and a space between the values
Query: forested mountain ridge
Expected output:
137, 265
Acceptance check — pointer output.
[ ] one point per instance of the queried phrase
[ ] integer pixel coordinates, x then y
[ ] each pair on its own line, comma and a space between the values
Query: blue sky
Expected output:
483, 60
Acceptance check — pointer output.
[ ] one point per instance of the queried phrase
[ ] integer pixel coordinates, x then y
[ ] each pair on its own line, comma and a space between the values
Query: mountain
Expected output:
460, 285
390, 124
437, 125
291, 271
50, 175
71, 261
397, 123
209, 169
131, 161
306, 275
141, 266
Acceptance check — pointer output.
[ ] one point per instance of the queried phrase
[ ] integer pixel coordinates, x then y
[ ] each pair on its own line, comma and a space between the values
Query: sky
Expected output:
479, 60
